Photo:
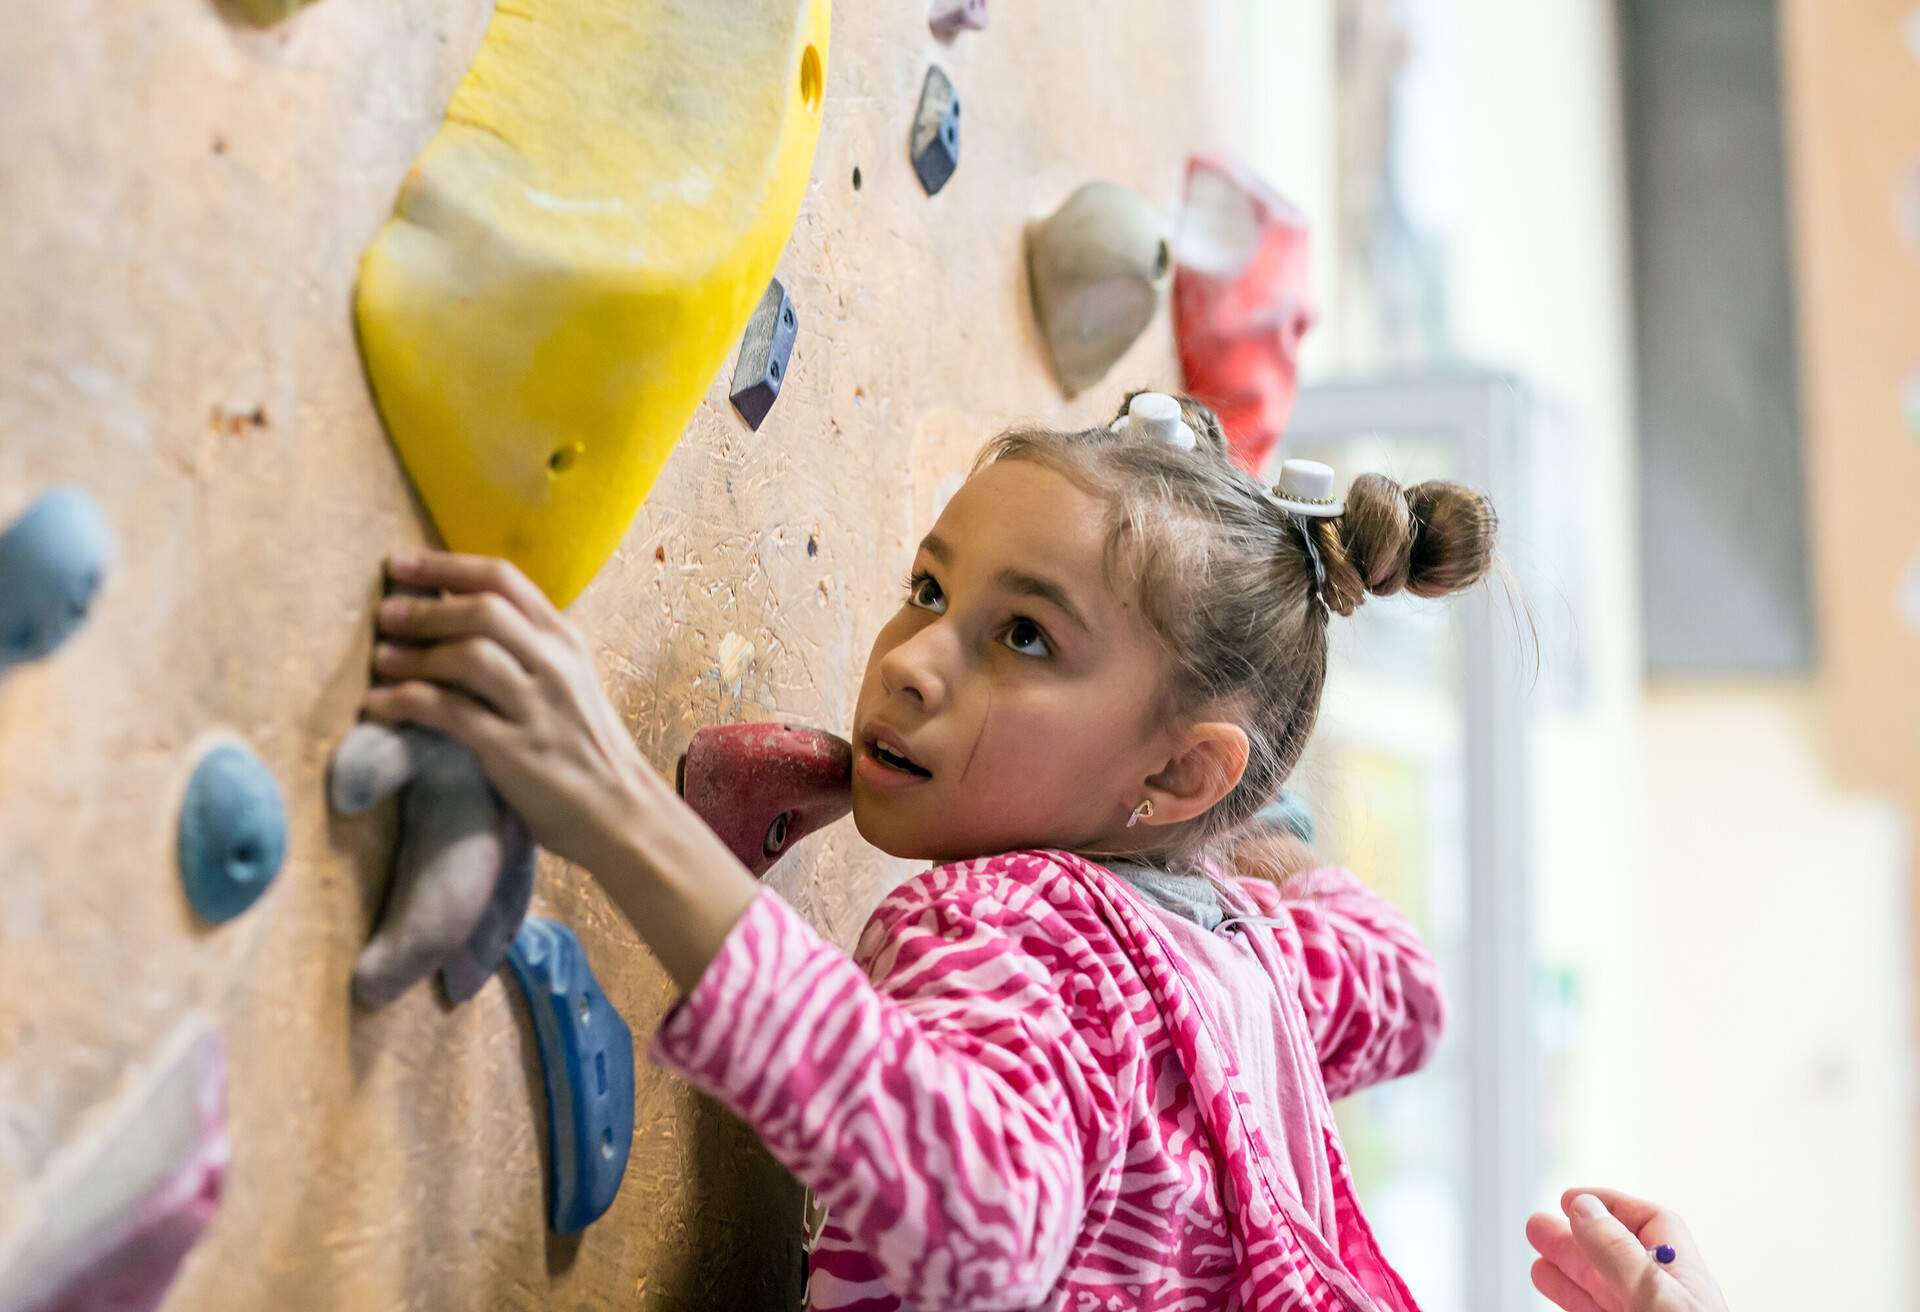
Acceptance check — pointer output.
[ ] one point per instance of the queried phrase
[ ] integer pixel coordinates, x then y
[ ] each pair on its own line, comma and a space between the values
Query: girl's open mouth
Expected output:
895, 760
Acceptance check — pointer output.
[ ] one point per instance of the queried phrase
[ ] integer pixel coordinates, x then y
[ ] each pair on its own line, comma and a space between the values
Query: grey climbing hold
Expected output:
935, 143
52, 559
233, 832
1098, 267
463, 866
765, 350
586, 1051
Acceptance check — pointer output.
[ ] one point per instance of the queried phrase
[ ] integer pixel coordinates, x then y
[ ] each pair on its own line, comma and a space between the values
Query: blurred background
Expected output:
1649, 270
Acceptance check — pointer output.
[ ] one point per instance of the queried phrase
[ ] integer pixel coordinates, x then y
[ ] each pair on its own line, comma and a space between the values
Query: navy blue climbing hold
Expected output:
587, 1053
934, 144
765, 350
233, 833
51, 562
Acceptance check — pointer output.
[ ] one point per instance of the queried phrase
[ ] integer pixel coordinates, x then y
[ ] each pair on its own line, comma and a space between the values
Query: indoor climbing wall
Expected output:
188, 197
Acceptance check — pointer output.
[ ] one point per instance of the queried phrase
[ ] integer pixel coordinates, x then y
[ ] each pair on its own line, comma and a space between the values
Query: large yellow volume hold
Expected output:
575, 253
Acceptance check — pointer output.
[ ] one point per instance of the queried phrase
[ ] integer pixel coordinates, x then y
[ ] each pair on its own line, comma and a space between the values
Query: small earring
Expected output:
1144, 811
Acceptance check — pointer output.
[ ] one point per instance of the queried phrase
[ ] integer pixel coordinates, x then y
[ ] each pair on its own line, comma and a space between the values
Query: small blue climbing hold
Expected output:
587, 1053
52, 559
233, 832
1287, 811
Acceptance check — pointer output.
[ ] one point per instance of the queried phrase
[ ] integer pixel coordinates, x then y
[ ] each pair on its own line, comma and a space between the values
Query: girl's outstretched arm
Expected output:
1370, 987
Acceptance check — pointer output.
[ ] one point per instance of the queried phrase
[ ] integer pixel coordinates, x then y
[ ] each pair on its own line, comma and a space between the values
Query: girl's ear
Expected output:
1204, 768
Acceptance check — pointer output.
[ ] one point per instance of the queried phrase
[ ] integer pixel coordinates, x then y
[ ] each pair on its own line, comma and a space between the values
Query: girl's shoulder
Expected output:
1039, 890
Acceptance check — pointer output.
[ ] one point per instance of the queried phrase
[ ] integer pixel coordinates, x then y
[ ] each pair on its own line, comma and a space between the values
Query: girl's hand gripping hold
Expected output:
494, 666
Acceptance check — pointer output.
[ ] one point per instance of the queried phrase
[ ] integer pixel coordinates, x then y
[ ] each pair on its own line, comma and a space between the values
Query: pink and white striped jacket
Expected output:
1031, 1088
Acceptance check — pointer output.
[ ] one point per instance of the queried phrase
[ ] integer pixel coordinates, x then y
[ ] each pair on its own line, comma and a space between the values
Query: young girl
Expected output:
1074, 1065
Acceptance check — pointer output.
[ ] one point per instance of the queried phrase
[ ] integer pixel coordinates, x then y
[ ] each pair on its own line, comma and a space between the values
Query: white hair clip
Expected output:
1157, 415
1306, 488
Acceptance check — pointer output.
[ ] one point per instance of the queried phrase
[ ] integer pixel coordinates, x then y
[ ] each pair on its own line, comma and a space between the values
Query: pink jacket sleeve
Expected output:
1370, 987
951, 1112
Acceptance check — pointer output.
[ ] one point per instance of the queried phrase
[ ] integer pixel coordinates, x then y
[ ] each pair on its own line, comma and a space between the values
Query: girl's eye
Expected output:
1028, 638
923, 591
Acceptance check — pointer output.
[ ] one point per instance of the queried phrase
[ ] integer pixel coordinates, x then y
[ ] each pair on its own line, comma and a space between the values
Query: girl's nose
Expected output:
916, 667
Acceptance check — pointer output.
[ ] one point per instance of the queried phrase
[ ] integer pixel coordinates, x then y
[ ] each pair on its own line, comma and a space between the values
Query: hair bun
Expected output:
1431, 540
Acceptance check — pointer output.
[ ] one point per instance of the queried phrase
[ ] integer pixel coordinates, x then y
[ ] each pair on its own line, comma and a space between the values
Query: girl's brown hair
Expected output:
1225, 577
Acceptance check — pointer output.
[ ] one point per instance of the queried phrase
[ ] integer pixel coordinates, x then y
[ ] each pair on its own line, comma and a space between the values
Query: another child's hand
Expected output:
1596, 1260
496, 667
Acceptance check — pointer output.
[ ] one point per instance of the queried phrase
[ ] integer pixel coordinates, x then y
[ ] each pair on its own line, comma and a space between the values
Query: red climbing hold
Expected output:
763, 787
1241, 303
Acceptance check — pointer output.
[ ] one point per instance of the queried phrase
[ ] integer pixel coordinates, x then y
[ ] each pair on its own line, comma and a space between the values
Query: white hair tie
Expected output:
1156, 415
1306, 488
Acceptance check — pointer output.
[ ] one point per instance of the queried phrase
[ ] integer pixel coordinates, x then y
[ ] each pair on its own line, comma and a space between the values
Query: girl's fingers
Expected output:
1615, 1251
476, 666
480, 615
474, 574
1651, 1222
1551, 1281
1553, 1239
433, 707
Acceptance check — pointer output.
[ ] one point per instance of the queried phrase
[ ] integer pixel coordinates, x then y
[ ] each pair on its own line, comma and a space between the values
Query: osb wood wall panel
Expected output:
184, 203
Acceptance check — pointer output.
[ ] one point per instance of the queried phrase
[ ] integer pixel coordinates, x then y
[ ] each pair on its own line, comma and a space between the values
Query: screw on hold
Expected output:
777, 834
935, 143
765, 350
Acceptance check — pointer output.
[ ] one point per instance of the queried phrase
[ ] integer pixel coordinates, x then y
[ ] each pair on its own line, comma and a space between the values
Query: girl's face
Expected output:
1009, 704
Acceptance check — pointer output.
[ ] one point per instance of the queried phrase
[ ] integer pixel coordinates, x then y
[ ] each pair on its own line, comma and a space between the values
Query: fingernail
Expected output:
1587, 1207
385, 654
393, 610
402, 562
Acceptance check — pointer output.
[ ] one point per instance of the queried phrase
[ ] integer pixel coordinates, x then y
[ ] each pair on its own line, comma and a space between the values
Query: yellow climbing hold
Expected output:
575, 253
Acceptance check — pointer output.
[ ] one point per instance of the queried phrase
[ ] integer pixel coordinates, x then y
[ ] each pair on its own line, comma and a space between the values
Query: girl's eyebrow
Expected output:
1030, 585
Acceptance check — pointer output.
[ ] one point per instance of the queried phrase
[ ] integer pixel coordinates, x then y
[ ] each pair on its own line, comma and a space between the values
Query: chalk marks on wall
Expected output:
52, 560
462, 869
586, 1051
117, 1213
233, 832
540, 321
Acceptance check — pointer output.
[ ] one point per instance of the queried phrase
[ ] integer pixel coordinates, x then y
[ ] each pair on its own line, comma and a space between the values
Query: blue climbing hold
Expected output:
233, 833
51, 562
1288, 812
587, 1052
